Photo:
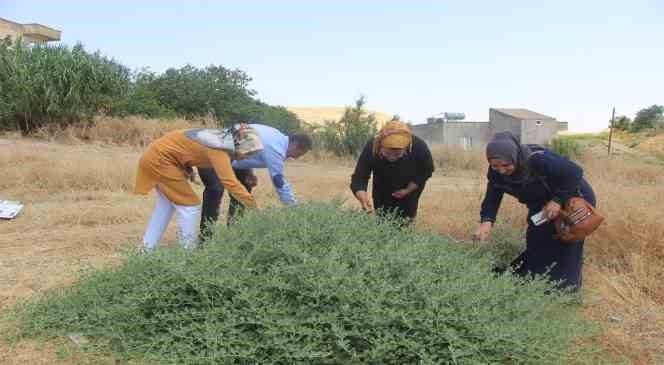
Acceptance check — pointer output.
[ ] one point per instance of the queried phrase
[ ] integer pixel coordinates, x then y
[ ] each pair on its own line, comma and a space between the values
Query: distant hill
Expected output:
318, 115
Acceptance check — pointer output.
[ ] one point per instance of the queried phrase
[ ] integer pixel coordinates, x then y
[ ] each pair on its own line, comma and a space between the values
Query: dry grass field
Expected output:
80, 213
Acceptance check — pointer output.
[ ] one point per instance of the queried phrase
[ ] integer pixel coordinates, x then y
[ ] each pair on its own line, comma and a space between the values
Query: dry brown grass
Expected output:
80, 212
653, 144
455, 158
129, 131
626, 257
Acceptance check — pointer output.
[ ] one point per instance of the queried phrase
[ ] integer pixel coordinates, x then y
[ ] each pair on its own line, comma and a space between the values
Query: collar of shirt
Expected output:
274, 143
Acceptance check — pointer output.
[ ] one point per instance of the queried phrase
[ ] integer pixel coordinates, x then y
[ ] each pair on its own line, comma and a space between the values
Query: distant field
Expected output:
318, 115
645, 146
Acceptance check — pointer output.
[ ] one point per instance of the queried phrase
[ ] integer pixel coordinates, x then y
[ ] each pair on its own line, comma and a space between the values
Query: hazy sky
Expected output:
573, 60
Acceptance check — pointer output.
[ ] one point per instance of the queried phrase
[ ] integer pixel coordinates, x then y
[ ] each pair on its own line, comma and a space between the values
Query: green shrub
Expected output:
506, 244
347, 136
327, 137
622, 123
45, 85
55, 85
141, 99
276, 116
193, 92
315, 284
648, 117
566, 146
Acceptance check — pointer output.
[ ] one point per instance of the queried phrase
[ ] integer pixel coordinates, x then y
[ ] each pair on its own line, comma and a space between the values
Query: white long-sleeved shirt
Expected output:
272, 157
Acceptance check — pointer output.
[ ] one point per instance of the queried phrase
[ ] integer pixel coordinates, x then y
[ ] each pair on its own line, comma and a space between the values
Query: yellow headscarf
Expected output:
394, 134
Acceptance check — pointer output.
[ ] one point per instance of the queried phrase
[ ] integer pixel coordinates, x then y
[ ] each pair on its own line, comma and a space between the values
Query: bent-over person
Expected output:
542, 180
165, 167
400, 164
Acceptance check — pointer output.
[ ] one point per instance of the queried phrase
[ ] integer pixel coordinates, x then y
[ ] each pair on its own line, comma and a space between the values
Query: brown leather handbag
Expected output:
577, 220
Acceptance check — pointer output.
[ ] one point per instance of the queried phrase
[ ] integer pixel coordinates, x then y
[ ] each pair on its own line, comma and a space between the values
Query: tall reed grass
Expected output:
55, 85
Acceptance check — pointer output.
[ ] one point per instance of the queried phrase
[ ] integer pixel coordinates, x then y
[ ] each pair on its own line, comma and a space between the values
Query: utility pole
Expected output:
613, 115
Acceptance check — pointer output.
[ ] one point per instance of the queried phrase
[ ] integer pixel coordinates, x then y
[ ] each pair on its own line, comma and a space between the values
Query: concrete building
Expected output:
31, 33
530, 126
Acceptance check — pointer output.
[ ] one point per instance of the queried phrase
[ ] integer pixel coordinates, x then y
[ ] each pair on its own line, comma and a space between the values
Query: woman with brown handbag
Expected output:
543, 181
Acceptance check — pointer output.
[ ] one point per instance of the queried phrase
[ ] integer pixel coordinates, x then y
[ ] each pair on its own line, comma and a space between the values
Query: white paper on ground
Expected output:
9, 209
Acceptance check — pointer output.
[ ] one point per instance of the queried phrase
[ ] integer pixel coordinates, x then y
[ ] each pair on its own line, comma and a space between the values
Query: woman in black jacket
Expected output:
543, 181
400, 163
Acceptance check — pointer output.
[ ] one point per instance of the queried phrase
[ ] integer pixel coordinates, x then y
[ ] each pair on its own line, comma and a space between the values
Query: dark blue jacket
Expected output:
558, 179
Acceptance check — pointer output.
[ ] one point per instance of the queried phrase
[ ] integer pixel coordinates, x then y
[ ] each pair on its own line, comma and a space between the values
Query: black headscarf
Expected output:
506, 147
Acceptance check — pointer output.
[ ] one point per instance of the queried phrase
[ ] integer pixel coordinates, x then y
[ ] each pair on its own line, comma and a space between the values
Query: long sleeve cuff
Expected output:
487, 219
286, 195
355, 187
420, 181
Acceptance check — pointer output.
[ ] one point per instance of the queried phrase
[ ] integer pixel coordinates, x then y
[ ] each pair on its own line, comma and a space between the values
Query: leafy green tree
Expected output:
56, 85
622, 123
142, 99
193, 92
348, 135
276, 116
357, 127
648, 117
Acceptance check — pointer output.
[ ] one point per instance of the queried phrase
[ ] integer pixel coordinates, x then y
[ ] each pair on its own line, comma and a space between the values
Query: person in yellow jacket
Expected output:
165, 167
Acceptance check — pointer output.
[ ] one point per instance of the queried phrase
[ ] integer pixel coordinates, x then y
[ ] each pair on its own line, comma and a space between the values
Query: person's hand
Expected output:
483, 231
367, 204
251, 180
190, 174
363, 198
551, 210
400, 194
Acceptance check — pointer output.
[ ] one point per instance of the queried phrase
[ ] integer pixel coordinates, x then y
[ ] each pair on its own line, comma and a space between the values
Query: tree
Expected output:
648, 117
357, 127
348, 135
276, 116
622, 123
142, 98
194, 92
57, 85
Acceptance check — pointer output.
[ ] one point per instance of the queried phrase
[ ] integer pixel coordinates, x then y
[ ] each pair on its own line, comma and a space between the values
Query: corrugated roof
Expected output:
521, 113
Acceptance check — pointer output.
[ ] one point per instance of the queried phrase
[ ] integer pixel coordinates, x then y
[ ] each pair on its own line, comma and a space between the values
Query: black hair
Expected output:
302, 140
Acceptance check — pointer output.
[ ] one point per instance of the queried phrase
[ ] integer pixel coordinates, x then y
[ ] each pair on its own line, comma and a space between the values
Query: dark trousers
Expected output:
560, 261
405, 208
213, 193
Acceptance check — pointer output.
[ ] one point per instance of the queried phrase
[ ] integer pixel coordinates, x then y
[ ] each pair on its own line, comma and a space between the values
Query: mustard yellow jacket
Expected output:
164, 162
